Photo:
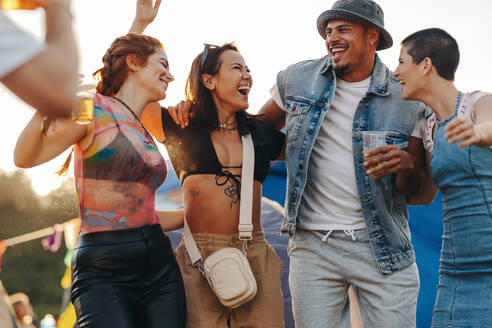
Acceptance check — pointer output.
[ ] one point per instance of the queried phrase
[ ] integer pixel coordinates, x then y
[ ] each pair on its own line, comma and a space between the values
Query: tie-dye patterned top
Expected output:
117, 175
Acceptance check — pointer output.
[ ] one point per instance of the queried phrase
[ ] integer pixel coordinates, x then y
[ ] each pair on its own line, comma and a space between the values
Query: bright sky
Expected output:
271, 34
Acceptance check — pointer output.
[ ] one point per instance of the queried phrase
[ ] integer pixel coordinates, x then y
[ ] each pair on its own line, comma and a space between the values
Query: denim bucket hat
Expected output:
365, 12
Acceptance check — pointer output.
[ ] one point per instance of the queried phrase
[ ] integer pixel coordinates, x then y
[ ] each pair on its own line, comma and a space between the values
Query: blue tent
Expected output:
425, 224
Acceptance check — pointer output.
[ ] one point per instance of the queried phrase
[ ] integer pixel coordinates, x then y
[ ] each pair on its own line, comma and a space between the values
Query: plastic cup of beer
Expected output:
83, 112
372, 140
19, 4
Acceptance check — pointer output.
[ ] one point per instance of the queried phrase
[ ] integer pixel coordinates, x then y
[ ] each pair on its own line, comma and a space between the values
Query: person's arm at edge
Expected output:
171, 220
48, 81
416, 182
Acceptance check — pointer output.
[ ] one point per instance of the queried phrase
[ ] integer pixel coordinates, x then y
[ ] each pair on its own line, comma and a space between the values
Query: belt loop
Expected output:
146, 232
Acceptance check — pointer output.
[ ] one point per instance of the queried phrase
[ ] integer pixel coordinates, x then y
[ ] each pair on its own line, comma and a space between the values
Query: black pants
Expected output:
127, 279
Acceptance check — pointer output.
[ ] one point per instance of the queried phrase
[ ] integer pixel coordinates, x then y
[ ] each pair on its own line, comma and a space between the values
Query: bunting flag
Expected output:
53, 242
67, 318
66, 280
70, 229
68, 257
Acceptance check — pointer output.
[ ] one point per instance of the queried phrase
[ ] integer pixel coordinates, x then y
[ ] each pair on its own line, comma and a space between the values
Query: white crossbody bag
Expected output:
227, 270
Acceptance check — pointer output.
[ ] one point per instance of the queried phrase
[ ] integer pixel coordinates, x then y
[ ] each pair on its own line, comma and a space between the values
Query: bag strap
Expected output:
191, 248
246, 205
245, 226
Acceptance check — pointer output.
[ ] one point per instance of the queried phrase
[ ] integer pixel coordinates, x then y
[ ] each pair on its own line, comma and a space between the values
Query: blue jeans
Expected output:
322, 271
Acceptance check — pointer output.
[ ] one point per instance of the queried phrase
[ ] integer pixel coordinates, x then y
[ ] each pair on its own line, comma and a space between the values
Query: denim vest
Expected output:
307, 90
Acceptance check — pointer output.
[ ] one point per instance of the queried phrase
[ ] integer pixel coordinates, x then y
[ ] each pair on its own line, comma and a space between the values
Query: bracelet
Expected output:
56, 4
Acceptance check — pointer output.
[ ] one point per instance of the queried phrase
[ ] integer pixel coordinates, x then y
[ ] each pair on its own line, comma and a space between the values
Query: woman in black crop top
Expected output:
207, 157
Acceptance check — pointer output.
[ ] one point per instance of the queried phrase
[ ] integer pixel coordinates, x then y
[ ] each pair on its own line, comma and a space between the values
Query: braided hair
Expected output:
115, 70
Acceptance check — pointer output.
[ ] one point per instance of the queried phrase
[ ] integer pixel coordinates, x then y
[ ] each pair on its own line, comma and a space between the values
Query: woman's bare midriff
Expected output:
209, 208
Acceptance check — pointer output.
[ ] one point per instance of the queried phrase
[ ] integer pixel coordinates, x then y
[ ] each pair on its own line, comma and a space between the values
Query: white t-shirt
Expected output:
331, 199
16, 46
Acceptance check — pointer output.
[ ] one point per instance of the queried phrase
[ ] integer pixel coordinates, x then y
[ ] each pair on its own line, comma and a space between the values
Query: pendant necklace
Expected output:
148, 135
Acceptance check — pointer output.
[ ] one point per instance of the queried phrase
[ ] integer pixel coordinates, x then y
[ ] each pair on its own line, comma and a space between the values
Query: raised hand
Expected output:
146, 12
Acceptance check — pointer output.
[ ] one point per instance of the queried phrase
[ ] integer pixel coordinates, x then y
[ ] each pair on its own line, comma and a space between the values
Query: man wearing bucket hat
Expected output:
348, 223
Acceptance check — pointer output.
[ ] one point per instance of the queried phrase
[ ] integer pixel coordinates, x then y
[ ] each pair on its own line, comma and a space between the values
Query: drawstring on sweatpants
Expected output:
350, 233
325, 237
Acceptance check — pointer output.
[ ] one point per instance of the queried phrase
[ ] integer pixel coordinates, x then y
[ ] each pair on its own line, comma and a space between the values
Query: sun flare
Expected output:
44, 183
43, 178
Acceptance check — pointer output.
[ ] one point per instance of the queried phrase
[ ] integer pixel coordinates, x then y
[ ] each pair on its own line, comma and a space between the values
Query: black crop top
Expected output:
192, 152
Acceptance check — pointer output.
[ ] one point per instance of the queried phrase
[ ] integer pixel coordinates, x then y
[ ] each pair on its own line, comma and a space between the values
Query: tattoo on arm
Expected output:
193, 192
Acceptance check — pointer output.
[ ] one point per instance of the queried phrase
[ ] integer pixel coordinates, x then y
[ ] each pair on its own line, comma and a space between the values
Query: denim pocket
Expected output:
397, 138
297, 106
297, 112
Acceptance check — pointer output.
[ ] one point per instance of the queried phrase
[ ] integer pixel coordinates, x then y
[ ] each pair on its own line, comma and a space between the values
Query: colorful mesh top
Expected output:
117, 175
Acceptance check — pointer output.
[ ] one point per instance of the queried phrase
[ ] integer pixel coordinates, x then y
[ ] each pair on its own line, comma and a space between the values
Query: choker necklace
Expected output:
226, 125
229, 129
147, 134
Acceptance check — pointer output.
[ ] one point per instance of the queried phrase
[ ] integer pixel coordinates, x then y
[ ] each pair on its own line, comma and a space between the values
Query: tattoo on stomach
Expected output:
232, 192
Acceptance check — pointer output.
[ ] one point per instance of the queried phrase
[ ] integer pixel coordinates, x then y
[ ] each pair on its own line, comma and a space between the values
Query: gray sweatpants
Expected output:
322, 269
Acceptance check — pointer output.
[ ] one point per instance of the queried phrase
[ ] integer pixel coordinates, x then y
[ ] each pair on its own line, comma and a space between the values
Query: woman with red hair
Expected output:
124, 272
